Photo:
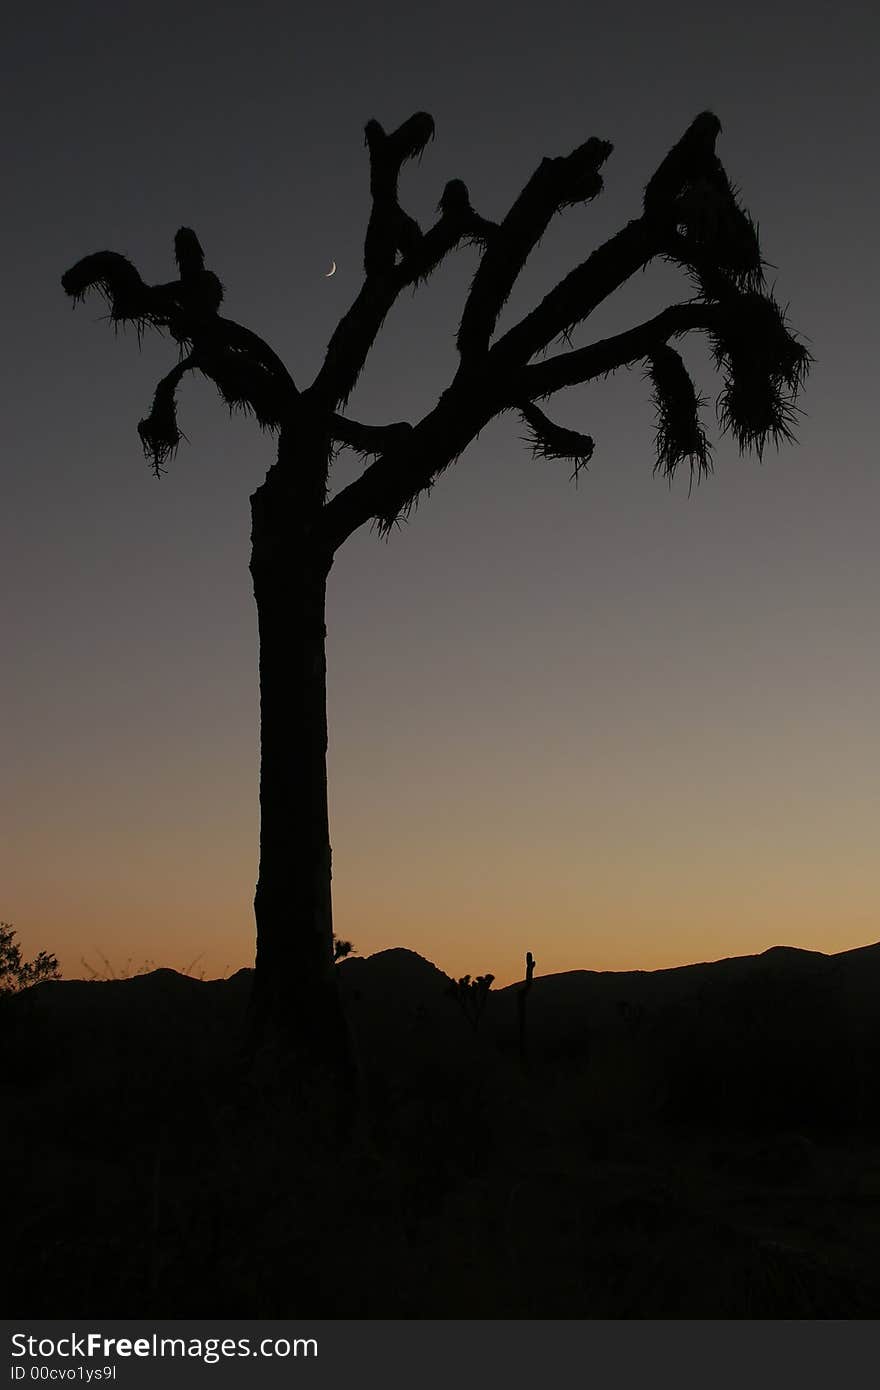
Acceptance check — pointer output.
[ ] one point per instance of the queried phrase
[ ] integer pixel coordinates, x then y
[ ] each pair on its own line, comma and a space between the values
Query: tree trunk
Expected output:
296, 1013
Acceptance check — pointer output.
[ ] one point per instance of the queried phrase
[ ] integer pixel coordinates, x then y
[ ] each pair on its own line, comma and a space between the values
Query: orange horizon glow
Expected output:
217, 945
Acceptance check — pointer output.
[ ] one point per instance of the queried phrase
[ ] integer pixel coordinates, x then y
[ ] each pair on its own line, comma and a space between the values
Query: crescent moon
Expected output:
331, 271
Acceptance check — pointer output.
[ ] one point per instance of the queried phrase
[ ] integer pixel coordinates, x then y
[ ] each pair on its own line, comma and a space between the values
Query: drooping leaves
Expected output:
113, 276
680, 436
159, 431
764, 367
692, 216
177, 305
244, 384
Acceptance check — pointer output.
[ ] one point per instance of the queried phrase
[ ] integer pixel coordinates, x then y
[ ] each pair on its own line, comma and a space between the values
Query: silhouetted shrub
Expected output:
17, 974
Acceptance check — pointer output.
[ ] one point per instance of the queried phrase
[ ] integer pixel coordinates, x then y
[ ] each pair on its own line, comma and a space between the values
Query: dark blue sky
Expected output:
616, 725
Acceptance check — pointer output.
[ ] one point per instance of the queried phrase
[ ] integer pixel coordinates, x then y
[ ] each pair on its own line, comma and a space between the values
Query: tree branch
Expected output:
196, 294
692, 157
396, 254
600, 358
243, 381
457, 223
708, 231
580, 292
548, 440
691, 214
390, 486
392, 483
227, 333
369, 439
245, 370
390, 229
679, 432
763, 364
159, 431
557, 183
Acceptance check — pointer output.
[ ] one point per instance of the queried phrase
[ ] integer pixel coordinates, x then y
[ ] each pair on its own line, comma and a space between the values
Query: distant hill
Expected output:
784, 1031
558, 1002
785, 1037
396, 983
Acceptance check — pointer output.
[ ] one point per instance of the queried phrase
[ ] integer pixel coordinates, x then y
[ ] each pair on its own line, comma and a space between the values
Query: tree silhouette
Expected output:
691, 216
17, 974
471, 995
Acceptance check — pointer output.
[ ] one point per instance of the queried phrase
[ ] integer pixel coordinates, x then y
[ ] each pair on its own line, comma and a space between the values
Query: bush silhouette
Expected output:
17, 974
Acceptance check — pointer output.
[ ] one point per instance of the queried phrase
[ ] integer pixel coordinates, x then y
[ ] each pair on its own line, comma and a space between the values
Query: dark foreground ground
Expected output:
700, 1142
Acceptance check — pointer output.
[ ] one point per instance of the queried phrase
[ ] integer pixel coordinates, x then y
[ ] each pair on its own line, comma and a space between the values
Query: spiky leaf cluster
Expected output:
707, 229
692, 216
176, 305
244, 384
764, 368
680, 436
244, 369
129, 299
718, 233
159, 431
551, 441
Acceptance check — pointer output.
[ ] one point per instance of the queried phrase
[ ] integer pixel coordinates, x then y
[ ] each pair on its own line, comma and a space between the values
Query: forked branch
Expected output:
556, 184
691, 216
245, 370
397, 254
608, 354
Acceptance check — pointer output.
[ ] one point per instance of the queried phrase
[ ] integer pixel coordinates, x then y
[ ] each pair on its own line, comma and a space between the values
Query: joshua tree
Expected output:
522, 1004
690, 216
471, 996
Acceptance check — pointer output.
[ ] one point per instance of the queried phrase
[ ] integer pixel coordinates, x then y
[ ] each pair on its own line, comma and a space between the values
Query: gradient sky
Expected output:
616, 725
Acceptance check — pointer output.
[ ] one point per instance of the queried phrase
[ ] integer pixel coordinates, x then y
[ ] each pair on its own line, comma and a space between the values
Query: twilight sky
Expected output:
616, 725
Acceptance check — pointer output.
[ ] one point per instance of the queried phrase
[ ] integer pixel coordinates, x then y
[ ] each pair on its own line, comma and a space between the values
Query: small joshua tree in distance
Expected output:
471, 996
